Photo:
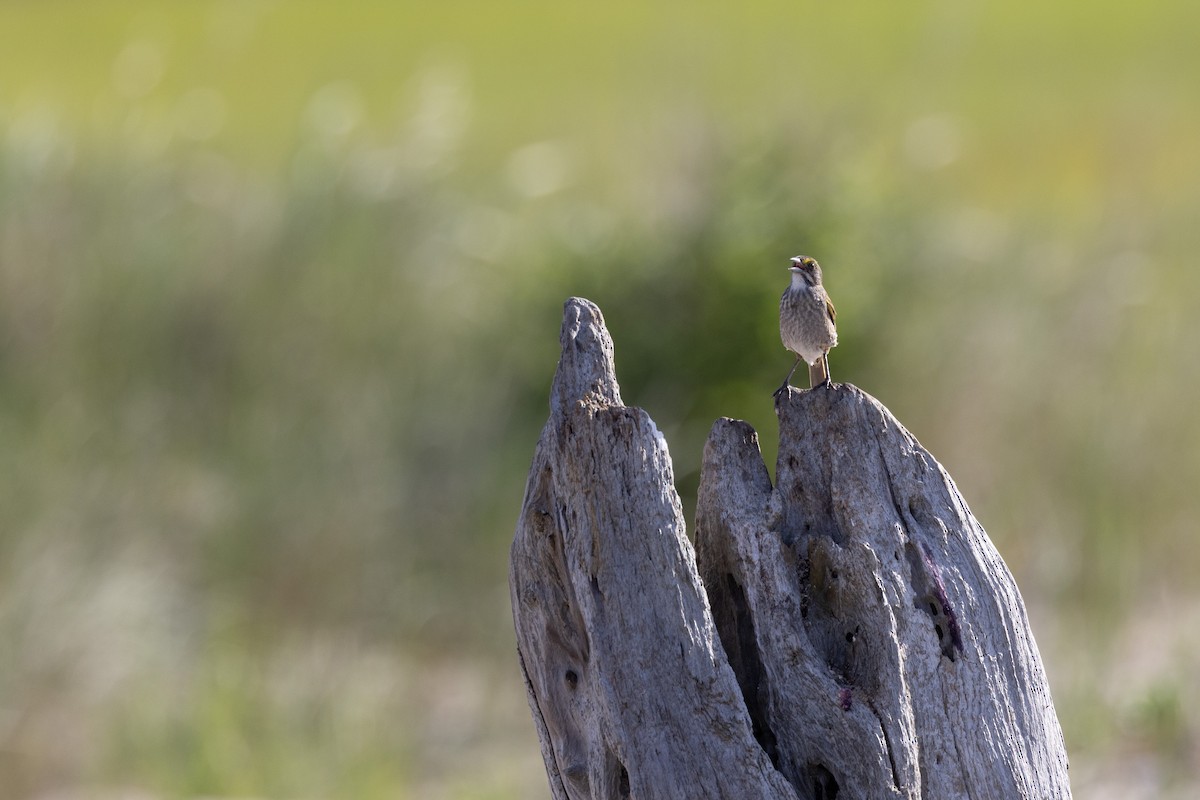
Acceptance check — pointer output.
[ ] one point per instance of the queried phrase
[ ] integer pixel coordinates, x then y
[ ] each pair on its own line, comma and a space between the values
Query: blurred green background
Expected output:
280, 287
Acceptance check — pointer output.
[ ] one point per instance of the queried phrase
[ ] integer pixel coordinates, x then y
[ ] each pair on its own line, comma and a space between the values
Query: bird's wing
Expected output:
830, 310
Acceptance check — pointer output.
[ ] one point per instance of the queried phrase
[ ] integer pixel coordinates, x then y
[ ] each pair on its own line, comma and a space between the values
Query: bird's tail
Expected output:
818, 373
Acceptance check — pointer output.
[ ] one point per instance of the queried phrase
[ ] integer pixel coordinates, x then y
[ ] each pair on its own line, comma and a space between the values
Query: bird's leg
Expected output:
818, 373
786, 380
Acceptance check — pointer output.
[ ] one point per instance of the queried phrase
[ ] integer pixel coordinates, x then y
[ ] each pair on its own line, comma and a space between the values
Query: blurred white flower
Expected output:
539, 169
39, 141
335, 110
139, 68
441, 111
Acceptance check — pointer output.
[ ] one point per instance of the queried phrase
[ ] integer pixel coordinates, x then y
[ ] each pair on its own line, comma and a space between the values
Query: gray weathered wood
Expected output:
878, 637
856, 634
630, 691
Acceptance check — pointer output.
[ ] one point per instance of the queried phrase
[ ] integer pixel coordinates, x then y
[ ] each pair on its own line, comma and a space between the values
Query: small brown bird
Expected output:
807, 321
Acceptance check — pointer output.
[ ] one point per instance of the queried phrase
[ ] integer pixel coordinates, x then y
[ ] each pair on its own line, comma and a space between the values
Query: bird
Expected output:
807, 322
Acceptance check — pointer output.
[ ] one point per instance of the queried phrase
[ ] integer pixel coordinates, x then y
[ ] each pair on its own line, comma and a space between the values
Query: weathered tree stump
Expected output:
855, 635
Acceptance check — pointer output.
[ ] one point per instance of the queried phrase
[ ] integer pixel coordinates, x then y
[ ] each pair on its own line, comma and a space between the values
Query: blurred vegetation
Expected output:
280, 287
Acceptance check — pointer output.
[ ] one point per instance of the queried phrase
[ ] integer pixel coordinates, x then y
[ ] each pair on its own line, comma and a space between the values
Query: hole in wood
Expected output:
735, 628
825, 786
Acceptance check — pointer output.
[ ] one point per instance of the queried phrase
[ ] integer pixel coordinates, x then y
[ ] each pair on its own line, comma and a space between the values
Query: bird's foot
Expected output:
781, 390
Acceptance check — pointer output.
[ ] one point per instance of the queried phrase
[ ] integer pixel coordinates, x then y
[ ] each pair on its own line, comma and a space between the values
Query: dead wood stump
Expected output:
850, 632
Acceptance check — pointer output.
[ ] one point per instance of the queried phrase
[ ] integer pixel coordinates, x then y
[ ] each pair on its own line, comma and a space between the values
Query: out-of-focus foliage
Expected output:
280, 287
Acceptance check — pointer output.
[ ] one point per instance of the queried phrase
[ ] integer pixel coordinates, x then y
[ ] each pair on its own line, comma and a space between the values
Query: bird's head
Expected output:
806, 270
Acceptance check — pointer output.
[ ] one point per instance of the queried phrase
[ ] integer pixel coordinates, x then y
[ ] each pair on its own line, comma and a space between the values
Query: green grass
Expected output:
280, 287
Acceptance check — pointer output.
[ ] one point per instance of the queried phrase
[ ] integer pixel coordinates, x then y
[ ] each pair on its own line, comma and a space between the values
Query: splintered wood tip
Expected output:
586, 372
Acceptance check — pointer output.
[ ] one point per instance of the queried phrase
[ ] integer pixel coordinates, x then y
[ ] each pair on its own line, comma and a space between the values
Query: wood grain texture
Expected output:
855, 634
878, 637
630, 691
